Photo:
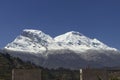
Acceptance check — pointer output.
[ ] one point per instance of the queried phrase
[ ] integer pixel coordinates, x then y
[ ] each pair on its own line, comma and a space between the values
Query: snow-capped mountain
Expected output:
37, 41
78, 42
70, 50
30, 41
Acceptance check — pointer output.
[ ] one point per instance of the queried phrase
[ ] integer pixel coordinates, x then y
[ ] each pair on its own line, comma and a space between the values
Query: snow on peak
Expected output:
77, 41
71, 36
36, 35
32, 31
37, 41
74, 33
30, 41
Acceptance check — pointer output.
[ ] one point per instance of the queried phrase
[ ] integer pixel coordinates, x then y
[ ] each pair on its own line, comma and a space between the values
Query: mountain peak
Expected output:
32, 31
30, 40
73, 37
36, 34
74, 33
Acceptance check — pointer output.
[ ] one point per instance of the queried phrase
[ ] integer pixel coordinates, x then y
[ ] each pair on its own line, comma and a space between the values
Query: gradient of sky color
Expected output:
94, 18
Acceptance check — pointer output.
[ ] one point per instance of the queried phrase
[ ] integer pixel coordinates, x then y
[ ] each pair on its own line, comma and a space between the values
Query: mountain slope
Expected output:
70, 50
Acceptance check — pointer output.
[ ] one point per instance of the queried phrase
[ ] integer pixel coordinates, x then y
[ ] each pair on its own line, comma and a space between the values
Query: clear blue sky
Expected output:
93, 18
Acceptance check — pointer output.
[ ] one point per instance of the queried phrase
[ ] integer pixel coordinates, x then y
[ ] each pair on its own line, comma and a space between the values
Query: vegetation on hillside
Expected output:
7, 63
60, 74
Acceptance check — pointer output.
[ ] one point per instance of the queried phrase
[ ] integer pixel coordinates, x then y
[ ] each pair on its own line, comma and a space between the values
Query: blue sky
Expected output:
94, 18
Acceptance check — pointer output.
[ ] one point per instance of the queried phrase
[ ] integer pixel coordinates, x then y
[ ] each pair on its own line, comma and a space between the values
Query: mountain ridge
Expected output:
39, 41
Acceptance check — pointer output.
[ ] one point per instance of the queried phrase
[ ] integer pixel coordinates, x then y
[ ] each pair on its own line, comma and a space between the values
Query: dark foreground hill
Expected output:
7, 63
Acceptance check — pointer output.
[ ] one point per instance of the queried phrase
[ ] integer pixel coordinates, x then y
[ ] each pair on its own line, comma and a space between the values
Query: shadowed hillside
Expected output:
7, 63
